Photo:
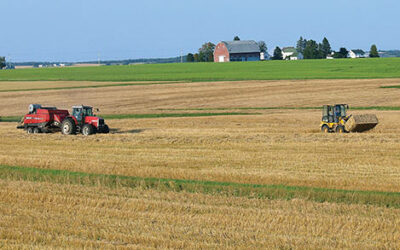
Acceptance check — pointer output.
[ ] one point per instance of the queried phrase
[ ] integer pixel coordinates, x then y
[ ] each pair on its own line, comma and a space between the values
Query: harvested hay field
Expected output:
148, 98
269, 179
27, 86
52, 215
276, 147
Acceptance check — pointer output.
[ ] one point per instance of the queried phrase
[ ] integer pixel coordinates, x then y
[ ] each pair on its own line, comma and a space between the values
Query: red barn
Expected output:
237, 51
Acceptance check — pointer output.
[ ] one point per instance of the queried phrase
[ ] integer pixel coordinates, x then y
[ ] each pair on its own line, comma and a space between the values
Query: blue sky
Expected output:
78, 30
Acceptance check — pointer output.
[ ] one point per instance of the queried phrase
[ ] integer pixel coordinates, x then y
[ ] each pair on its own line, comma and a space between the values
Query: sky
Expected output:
82, 30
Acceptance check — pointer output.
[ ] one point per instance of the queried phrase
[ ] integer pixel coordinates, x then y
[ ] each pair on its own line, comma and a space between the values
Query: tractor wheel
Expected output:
68, 127
340, 129
36, 130
106, 129
29, 130
87, 129
325, 129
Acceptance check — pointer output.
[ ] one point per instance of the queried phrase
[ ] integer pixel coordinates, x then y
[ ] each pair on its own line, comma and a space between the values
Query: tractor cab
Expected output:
333, 113
80, 112
334, 118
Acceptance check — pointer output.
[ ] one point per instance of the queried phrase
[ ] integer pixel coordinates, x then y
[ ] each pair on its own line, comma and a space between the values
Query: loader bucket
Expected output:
361, 123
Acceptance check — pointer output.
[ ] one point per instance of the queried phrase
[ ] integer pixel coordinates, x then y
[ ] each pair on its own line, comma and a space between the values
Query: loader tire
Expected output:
68, 127
340, 129
87, 129
325, 129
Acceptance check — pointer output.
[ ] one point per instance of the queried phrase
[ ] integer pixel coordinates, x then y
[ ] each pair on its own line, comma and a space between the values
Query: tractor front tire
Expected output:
340, 129
325, 129
87, 129
68, 127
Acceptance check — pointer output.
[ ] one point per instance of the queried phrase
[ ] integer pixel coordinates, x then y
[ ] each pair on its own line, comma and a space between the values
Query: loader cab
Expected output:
333, 113
79, 112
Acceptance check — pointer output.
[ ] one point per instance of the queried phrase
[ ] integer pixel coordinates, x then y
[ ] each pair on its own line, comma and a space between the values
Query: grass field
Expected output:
268, 70
222, 164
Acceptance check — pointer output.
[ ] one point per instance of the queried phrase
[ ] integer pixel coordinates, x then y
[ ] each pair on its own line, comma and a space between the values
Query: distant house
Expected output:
291, 53
356, 53
237, 51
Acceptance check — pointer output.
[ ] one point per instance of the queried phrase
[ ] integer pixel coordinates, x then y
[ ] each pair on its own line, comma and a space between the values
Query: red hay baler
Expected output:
50, 119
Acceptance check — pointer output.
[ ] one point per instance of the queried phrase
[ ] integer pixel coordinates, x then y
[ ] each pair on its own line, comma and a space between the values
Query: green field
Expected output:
268, 70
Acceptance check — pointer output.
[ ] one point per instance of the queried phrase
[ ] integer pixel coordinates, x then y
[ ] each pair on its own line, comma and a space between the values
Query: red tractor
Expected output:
50, 119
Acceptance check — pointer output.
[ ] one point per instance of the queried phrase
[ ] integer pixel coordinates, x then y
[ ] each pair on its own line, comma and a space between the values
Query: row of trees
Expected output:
313, 50
205, 54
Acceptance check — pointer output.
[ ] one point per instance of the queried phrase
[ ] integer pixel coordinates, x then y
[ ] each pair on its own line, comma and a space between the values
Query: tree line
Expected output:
310, 49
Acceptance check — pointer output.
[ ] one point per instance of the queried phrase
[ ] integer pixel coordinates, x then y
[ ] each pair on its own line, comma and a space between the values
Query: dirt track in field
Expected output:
148, 98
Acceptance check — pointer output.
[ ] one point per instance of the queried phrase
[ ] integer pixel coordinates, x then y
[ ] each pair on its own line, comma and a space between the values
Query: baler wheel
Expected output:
36, 130
68, 127
87, 130
29, 130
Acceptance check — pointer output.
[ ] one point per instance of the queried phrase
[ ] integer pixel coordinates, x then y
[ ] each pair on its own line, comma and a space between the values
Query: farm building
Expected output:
356, 53
291, 53
237, 51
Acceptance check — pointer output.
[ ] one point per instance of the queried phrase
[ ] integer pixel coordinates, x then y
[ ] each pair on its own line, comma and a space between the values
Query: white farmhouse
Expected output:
290, 53
356, 53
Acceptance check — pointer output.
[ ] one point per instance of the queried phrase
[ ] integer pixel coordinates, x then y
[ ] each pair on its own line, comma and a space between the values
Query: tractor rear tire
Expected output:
106, 129
29, 130
36, 130
68, 127
325, 129
87, 129
340, 129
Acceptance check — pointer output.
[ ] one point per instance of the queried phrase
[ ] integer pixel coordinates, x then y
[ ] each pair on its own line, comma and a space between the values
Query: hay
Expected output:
361, 123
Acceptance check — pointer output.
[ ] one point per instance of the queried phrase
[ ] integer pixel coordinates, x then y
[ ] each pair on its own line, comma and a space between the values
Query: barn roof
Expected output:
242, 47
358, 51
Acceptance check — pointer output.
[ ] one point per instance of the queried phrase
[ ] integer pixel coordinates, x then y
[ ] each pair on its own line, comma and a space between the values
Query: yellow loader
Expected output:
335, 119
